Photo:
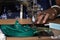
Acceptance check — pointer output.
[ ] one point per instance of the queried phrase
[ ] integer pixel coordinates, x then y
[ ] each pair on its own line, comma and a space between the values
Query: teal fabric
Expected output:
17, 30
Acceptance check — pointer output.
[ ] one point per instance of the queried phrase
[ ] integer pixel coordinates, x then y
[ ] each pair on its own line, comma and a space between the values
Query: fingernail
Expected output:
43, 21
37, 22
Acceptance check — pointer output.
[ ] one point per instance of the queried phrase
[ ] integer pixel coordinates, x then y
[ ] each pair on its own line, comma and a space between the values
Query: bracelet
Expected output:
56, 6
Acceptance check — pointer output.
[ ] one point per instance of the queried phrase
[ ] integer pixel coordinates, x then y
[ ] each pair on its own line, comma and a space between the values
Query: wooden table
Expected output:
24, 21
12, 21
20, 38
30, 38
56, 32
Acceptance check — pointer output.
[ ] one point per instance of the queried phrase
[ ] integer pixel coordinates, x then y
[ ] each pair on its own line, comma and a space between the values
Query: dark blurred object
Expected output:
11, 5
43, 33
44, 3
58, 16
8, 3
53, 2
43, 30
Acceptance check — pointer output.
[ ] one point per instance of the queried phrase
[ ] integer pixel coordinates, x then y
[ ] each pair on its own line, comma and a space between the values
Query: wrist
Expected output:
56, 8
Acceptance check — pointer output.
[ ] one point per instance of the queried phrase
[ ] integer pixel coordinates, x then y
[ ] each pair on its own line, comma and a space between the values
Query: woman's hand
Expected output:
46, 15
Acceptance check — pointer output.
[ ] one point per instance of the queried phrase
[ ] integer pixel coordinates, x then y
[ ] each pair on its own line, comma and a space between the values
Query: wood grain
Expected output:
12, 21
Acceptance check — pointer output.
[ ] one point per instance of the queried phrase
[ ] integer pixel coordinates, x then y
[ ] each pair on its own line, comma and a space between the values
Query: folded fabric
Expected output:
54, 26
17, 30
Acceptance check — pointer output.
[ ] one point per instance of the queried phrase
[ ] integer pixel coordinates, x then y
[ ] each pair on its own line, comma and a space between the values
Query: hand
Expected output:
44, 16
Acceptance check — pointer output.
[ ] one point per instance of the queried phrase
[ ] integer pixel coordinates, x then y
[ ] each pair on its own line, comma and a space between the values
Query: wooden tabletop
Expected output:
25, 21
12, 21
30, 38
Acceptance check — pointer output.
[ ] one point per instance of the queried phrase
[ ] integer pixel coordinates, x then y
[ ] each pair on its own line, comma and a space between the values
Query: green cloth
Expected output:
17, 30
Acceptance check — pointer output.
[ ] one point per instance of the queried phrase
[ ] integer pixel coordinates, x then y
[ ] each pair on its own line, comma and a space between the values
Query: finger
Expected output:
39, 13
40, 18
45, 18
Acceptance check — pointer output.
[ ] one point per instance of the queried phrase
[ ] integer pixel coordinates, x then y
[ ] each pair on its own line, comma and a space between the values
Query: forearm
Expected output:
56, 8
53, 11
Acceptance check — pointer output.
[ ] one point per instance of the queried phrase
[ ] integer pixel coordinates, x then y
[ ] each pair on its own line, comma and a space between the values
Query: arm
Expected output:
50, 13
